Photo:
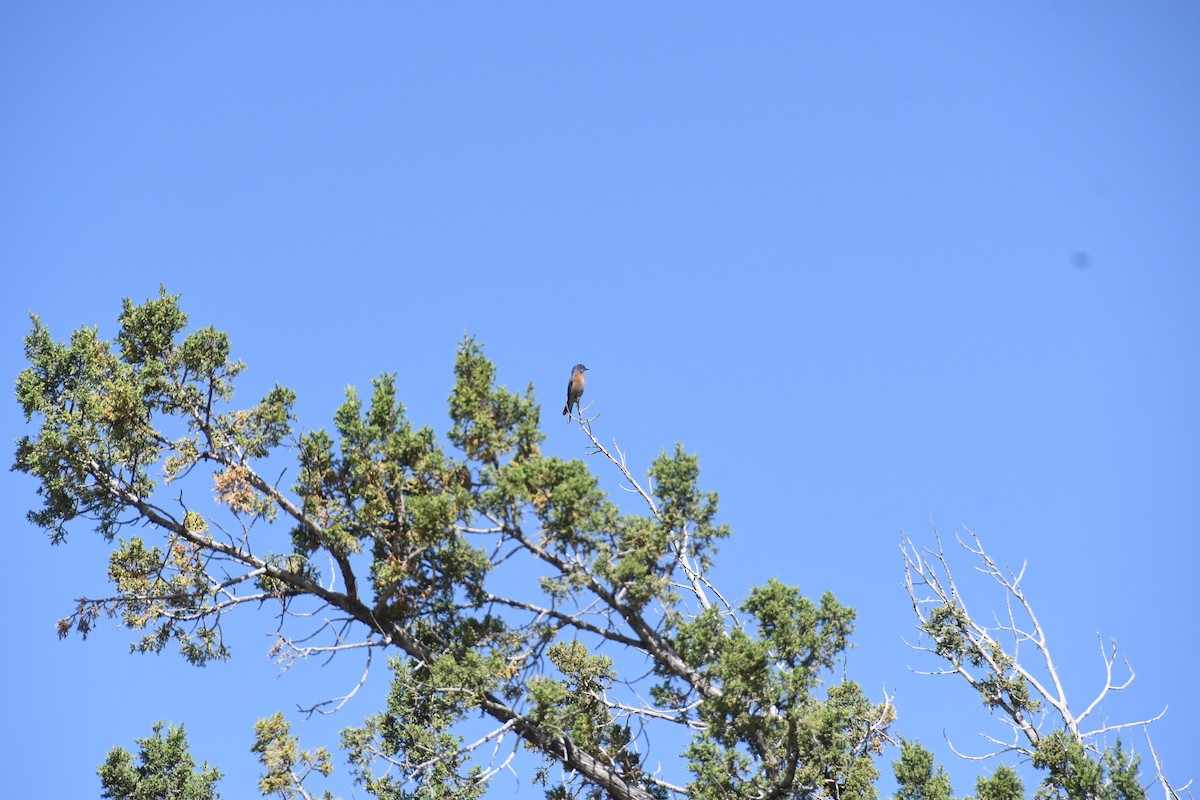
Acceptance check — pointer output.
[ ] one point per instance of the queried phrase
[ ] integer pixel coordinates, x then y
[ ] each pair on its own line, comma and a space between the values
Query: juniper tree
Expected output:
502, 582
164, 768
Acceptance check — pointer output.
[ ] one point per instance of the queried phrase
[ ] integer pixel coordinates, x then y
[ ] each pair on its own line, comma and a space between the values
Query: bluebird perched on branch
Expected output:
575, 388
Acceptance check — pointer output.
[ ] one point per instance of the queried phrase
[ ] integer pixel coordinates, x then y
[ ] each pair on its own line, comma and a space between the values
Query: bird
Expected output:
575, 388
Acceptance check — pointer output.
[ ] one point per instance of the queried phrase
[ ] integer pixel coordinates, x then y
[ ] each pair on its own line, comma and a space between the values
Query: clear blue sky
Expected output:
875, 263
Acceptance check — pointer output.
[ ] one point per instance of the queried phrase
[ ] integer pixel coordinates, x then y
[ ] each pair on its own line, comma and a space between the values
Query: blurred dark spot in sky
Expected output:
1080, 259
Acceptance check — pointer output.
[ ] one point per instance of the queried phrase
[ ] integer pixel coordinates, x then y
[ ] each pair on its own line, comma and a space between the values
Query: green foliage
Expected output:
683, 506
424, 704
391, 486
1004, 784
286, 766
91, 424
164, 769
768, 731
571, 709
1122, 769
290, 563
490, 423
918, 779
1073, 773
1002, 686
161, 585
106, 414
99, 406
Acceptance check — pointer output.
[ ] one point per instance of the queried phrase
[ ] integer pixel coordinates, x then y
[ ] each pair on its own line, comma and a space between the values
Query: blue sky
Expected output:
877, 264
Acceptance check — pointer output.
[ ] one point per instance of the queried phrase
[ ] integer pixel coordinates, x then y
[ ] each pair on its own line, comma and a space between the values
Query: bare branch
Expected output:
697, 582
1169, 792
1109, 659
991, 658
645, 711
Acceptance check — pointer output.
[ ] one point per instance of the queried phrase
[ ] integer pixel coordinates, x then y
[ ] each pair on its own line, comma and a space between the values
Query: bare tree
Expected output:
1008, 661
